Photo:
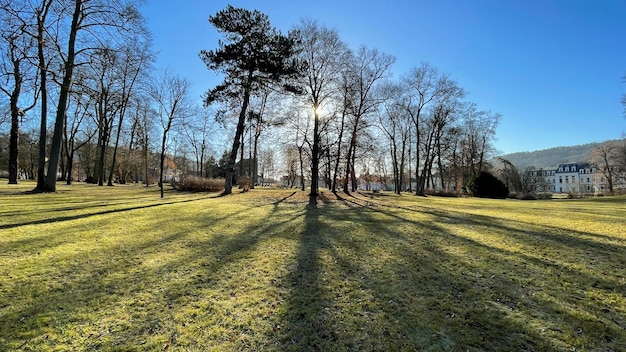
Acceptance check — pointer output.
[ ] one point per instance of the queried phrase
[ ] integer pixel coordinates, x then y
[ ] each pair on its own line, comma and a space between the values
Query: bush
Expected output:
244, 183
441, 193
487, 185
199, 184
527, 196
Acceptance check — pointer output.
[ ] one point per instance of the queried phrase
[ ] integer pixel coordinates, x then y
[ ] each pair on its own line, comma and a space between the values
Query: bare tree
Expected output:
41, 33
605, 156
74, 126
133, 60
441, 116
197, 130
16, 51
370, 67
396, 126
171, 96
97, 20
421, 88
263, 115
620, 161
513, 178
144, 129
324, 53
479, 128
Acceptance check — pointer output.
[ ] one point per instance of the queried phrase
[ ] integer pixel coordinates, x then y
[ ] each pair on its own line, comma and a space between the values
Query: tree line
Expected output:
302, 103
342, 109
93, 59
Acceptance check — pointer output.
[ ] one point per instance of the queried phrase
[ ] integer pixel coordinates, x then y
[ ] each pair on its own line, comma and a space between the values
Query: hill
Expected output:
547, 158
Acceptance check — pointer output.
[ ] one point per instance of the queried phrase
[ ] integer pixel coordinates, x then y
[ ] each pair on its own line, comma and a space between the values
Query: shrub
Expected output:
544, 196
244, 183
527, 196
199, 184
487, 185
441, 193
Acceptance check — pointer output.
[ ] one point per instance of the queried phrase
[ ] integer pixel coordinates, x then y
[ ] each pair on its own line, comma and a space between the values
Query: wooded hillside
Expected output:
547, 158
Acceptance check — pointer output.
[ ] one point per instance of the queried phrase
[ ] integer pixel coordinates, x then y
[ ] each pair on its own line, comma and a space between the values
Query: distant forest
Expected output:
549, 158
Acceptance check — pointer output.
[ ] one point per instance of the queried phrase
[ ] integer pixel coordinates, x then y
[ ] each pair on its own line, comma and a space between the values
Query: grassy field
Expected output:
119, 269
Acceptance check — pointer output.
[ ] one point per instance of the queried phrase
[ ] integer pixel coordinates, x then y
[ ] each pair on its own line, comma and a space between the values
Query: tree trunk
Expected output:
255, 157
70, 164
102, 155
230, 167
145, 161
162, 164
14, 135
301, 159
41, 163
396, 168
57, 136
68, 155
417, 162
117, 140
352, 171
315, 157
338, 160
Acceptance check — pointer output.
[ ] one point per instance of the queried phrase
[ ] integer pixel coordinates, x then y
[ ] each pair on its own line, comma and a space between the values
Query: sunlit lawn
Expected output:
118, 268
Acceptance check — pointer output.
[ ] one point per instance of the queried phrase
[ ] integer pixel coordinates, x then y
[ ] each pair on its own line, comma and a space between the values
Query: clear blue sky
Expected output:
553, 69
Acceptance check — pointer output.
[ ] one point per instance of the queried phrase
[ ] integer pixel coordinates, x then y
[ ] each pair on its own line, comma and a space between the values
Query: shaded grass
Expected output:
101, 268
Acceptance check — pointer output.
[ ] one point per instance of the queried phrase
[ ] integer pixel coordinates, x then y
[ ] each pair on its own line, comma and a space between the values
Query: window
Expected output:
566, 179
588, 180
560, 179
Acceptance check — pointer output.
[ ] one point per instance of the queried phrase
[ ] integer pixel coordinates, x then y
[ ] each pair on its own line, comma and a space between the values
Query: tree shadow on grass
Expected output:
524, 287
304, 323
53, 219
432, 288
137, 290
351, 275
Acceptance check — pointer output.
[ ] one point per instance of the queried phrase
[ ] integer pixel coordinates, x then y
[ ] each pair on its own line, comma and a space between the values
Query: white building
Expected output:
571, 178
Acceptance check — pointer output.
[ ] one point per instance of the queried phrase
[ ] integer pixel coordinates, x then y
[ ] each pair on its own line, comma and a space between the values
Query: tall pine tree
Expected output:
253, 56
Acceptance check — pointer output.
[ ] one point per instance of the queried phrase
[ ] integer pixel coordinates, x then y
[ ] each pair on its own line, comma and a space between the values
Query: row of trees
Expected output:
93, 58
339, 106
334, 113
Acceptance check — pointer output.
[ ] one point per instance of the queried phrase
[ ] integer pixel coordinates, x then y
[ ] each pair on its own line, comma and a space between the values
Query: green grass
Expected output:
119, 269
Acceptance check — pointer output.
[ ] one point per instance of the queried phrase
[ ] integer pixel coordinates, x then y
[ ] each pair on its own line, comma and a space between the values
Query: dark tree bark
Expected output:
18, 50
68, 70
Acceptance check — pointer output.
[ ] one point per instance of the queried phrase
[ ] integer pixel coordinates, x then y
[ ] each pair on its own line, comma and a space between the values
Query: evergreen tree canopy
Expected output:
254, 55
487, 185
